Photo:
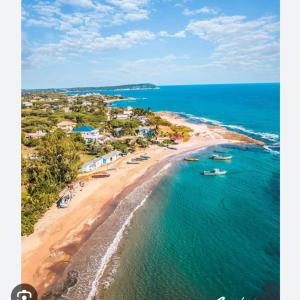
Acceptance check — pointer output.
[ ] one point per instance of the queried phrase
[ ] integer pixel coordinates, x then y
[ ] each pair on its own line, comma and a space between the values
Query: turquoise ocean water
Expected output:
201, 237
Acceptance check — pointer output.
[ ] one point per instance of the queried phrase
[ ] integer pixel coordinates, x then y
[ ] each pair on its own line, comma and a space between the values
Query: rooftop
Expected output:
112, 153
84, 129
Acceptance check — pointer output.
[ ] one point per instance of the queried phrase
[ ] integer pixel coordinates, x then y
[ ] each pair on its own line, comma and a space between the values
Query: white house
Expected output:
144, 120
122, 116
99, 161
145, 131
92, 165
27, 104
111, 156
128, 111
86, 103
36, 135
66, 125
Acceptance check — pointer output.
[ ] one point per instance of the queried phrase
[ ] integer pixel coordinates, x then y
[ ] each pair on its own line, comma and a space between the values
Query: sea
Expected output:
207, 237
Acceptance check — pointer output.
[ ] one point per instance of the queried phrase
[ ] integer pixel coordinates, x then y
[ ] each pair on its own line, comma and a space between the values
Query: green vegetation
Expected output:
51, 157
99, 88
43, 178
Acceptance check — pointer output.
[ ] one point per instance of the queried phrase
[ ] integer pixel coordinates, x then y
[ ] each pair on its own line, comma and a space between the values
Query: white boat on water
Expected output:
219, 157
214, 172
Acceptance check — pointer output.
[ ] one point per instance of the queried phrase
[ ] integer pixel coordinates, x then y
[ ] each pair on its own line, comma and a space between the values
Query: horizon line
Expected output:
158, 85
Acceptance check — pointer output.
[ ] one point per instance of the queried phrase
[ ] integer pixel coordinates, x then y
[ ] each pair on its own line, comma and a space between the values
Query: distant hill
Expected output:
139, 86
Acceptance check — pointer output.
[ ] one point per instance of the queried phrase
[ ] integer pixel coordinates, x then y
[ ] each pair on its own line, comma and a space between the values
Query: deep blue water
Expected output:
201, 237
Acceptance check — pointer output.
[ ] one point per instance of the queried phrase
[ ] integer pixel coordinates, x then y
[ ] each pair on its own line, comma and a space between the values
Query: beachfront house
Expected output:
66, 125
111, 156
95, 163
91, 165
146, 131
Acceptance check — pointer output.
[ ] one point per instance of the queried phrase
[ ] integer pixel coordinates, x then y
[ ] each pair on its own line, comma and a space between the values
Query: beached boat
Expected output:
219, 157
64, 201
172, 148
100, 175
214, 172
132, 162
191, 159
137, 159
144, 157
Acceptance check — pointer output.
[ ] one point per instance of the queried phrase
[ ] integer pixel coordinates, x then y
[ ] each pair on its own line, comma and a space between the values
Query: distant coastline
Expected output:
127, 87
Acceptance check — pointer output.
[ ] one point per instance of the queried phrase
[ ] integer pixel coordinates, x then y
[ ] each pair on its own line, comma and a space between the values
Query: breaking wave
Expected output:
272, 139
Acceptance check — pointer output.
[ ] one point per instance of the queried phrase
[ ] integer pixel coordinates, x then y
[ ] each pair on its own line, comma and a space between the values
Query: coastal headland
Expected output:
60, 234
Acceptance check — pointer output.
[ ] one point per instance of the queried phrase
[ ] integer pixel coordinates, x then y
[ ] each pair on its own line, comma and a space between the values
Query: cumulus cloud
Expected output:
77, 42
239, 41
203, 10
82, 3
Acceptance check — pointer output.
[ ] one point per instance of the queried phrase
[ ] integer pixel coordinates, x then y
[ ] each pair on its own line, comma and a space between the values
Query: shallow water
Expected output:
201, 237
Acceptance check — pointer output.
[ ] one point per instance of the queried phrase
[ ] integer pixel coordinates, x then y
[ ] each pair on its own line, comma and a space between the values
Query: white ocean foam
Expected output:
112, 249
269, 149
264, 135
116, 241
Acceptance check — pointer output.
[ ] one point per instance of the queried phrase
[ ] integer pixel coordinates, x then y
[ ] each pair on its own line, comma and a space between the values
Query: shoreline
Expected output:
62, 234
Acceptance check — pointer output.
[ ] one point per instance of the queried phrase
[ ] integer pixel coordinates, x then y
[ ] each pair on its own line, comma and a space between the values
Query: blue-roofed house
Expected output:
85, 129
90, 134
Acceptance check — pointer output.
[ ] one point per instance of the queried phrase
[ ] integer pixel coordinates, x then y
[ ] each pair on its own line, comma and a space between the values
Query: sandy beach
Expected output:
60, 233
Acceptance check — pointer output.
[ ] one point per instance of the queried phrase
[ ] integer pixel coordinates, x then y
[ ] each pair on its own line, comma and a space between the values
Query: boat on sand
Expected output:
100, 175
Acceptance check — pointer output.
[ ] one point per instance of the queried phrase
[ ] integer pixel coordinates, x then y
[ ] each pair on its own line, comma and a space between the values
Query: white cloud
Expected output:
203, 10
179, 34
82, 3
239, 41
78, 42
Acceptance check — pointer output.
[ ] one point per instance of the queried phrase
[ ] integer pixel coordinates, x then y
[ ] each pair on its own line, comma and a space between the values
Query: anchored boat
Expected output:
219, 157
214, 172
191, 159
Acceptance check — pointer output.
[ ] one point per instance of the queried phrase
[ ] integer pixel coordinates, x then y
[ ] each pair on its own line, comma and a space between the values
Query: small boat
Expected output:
137, 159
64, 201
172, 148
191, 159
214, 172
100, 175
81, 184
219, 157
142, 157
132, 162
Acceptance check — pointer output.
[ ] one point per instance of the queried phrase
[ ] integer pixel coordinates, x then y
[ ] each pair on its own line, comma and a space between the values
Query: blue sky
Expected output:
68, 43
